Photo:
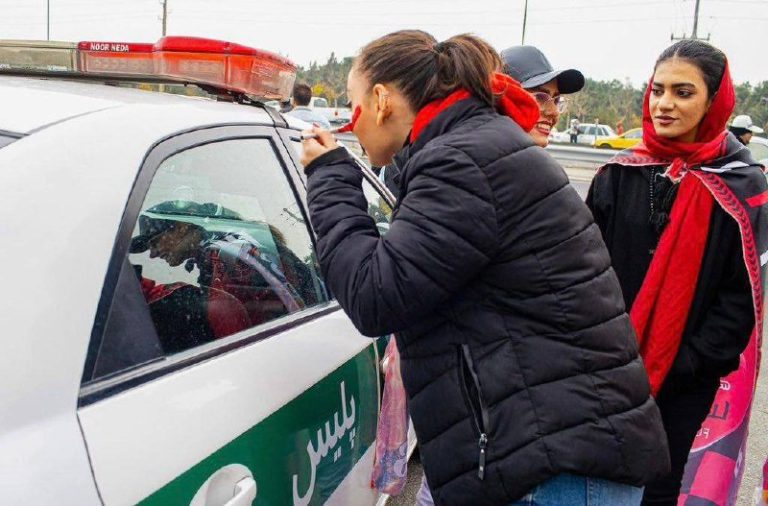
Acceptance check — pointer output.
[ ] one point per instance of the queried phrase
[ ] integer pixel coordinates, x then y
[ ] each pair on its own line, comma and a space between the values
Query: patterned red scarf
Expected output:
511, 100
660, 311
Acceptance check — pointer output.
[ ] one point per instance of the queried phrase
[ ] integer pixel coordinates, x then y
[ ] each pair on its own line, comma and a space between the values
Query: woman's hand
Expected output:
317, 146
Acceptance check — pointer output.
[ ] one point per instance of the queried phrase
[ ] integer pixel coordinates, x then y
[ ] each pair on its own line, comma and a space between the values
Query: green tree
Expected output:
610, 101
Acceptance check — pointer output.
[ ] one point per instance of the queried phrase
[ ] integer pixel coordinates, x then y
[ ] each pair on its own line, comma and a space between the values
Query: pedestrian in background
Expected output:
302, 96
529, 66
574, 131
743, 128
518, 359
692, 279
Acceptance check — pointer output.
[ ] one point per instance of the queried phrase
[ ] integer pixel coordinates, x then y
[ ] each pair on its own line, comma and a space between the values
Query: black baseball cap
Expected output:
164, 216
529, 66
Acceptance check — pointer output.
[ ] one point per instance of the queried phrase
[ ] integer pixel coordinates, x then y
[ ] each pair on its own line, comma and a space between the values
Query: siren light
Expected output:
215, 63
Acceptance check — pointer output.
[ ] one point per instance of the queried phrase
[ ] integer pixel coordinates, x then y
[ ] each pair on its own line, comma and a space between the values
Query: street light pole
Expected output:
525, 20
48, 20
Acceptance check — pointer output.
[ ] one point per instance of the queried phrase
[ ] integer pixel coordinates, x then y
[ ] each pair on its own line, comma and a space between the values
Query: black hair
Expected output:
710, 60
302, 94
425, 70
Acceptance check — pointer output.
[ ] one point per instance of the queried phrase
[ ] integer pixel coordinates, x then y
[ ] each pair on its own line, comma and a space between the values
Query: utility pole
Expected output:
48, 20
165, 15
525, 20
695, 34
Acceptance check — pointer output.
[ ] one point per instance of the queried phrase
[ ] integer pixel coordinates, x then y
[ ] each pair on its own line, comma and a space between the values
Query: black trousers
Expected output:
684, 404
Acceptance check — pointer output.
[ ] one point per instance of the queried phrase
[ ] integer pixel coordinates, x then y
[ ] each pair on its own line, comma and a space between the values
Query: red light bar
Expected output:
220, 64
115, 57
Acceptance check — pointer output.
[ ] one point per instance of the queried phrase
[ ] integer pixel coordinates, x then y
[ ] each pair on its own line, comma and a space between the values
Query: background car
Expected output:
587, 134
335, 115
759, 148
626, 140
143, 366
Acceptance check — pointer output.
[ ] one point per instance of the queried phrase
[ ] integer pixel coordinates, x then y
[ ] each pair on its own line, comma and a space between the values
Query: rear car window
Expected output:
220, 247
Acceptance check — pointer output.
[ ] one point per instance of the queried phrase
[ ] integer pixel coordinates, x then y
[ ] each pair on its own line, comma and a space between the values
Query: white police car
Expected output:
168, 338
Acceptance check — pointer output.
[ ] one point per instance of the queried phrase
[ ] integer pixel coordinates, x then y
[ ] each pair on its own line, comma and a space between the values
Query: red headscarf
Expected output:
660, 311
511, 100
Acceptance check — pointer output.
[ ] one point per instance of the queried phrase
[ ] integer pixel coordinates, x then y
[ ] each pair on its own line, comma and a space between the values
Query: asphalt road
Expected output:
757, 444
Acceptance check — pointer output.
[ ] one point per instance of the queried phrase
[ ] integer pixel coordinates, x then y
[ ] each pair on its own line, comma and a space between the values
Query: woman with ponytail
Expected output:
517, 356
684, 217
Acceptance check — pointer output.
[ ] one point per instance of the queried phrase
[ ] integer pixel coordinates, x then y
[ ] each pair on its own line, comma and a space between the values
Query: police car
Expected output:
168, 337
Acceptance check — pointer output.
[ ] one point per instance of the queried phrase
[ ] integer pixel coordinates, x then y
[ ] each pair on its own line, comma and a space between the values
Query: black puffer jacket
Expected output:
510, 320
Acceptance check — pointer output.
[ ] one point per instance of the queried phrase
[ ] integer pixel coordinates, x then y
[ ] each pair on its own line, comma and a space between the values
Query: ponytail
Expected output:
425, 70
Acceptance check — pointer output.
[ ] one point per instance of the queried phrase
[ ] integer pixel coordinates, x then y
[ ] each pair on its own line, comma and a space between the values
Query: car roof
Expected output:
759, 140
30, 104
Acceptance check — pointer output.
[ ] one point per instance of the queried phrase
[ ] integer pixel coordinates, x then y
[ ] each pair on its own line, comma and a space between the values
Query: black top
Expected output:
721, 317
518, 358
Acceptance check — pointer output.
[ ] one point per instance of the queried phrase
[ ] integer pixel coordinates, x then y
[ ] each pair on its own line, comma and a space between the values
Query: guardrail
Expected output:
580, 156
568, 156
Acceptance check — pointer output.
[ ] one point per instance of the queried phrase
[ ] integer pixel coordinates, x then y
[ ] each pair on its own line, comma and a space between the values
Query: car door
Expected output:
220, 370
380, 199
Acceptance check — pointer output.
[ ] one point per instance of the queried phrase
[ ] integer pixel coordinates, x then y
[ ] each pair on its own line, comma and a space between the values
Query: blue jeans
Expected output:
572, 490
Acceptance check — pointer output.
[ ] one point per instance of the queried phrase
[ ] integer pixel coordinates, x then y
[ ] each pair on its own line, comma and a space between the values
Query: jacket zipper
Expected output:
481, 421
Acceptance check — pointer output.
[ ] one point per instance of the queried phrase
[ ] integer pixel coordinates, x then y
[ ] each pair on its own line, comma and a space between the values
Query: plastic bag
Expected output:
390, 469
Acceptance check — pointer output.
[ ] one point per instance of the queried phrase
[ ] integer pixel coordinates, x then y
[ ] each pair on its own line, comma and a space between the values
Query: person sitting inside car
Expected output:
186, 316
231, 262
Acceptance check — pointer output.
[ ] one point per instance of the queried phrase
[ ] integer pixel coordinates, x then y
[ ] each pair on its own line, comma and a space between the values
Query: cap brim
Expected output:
755, 129
139, 244
568, 81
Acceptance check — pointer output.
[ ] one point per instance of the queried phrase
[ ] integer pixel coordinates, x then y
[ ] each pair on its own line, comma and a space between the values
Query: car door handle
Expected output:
245, 493
232, 485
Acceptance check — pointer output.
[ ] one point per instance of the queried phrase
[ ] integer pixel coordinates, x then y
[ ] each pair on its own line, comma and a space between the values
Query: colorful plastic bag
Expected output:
390, 469
716, 462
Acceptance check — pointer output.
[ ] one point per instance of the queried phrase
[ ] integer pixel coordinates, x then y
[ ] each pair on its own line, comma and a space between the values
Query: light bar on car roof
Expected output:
219, 64
116, 58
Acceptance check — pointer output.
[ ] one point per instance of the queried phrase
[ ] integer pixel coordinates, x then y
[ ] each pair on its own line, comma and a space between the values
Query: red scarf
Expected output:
660, 311
511, 100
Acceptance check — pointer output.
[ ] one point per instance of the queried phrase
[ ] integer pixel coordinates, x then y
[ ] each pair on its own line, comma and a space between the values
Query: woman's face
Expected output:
549, 115
385, 117
679, 100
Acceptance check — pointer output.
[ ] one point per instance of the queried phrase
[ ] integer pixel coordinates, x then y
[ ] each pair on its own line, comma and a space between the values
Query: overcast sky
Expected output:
603, 38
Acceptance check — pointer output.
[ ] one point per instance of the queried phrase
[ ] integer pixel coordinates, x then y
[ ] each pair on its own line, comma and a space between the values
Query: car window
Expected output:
759, 151
378, 207
220, 246
591, 130
351, 143
638, 134
321, 102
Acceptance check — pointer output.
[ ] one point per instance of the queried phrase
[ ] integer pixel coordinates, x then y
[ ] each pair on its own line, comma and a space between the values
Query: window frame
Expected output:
289, 136
93, 390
